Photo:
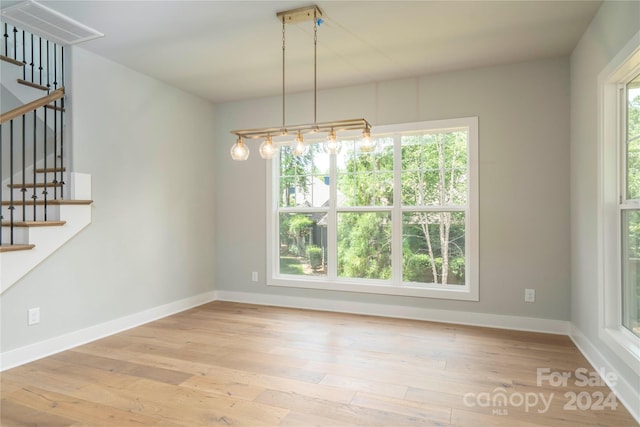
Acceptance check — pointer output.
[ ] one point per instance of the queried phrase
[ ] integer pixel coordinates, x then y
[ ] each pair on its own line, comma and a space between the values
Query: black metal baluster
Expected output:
34, 196
40, 58
11, 207
44, 139
62, 125
62, 183
62, 65
32, 64
23, 189
48, 69
15, 45
24, 57
55, 149
55, 66
6, 40
55, 123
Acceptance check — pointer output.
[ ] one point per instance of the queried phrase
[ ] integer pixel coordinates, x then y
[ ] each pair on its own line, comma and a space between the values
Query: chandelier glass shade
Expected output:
332, 145
268, 147
239, 151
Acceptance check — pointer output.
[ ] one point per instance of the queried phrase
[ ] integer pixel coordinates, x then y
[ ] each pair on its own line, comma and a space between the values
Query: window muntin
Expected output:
368, 215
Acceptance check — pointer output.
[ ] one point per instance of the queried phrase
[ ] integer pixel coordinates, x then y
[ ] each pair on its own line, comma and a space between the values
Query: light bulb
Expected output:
299, 148
239, 151
267, 149
366, 143
332, 145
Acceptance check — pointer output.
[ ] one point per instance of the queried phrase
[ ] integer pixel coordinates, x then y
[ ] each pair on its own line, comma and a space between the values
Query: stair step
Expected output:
48, 170
57, 202
37, 185
12, 248
33, 85
12, 61
35, 223
54, 107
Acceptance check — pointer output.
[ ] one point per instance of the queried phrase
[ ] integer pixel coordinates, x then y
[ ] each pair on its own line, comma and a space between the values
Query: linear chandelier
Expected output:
268, 149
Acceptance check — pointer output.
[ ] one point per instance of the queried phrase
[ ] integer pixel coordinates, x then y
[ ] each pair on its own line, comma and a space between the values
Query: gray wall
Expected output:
149, 148
523, 114
610, 30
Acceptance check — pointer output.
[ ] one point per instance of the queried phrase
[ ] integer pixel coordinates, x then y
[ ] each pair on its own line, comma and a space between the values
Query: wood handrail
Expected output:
33, 105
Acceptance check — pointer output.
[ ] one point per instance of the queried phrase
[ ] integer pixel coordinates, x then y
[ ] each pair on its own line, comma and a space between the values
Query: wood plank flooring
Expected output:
229, 364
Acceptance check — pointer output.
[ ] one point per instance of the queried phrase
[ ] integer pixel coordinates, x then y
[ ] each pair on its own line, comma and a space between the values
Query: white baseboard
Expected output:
29, 353
621, 388
560, 327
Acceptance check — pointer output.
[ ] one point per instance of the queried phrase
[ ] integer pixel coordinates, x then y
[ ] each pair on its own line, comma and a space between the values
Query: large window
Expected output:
401, 219
619, 211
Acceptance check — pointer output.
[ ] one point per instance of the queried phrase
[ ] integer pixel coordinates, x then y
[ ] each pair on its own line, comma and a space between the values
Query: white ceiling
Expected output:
231, 50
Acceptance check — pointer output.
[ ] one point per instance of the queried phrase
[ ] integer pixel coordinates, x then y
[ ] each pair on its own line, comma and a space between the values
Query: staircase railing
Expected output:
31, 135
41, 60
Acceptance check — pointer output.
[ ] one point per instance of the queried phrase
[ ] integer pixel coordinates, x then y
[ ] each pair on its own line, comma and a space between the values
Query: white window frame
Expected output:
470, 291
611, 184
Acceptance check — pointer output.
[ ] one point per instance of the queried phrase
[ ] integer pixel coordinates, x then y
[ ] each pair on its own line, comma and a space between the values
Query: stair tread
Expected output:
12, 248
49, 202
12, 61
54, 107
35, 223
43, 170
37, 185
33, 85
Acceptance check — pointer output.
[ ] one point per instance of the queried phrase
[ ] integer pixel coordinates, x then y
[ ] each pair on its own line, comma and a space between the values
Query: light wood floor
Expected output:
237, 364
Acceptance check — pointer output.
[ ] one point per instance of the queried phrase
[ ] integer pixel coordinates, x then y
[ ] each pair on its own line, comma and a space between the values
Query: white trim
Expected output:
470, 291
29, 353
372, 286
621, 388
518, 323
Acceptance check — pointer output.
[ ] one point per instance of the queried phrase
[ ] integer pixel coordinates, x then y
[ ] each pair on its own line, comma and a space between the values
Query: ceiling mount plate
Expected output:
299, 15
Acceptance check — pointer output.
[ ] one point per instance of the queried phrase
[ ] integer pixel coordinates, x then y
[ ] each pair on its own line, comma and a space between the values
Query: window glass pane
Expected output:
303, 243
433, 247
631, 270
365, 179
434, 169
304, 180
364, 245
633, 139
633, 108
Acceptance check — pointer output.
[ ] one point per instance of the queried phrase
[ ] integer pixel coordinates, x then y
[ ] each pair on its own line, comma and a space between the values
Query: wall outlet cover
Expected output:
33, 316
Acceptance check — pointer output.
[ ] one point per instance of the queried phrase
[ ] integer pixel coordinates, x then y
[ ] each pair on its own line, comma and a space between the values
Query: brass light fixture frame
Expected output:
294, 16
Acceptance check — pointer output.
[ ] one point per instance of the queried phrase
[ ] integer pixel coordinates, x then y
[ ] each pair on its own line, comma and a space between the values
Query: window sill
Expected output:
624, 345
452, 292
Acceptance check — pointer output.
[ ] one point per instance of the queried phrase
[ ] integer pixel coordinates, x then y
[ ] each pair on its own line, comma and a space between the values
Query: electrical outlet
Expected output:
33, 316
254, 276
529, 295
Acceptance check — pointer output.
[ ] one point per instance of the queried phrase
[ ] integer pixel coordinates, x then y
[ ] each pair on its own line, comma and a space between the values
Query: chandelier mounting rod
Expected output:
240, 151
